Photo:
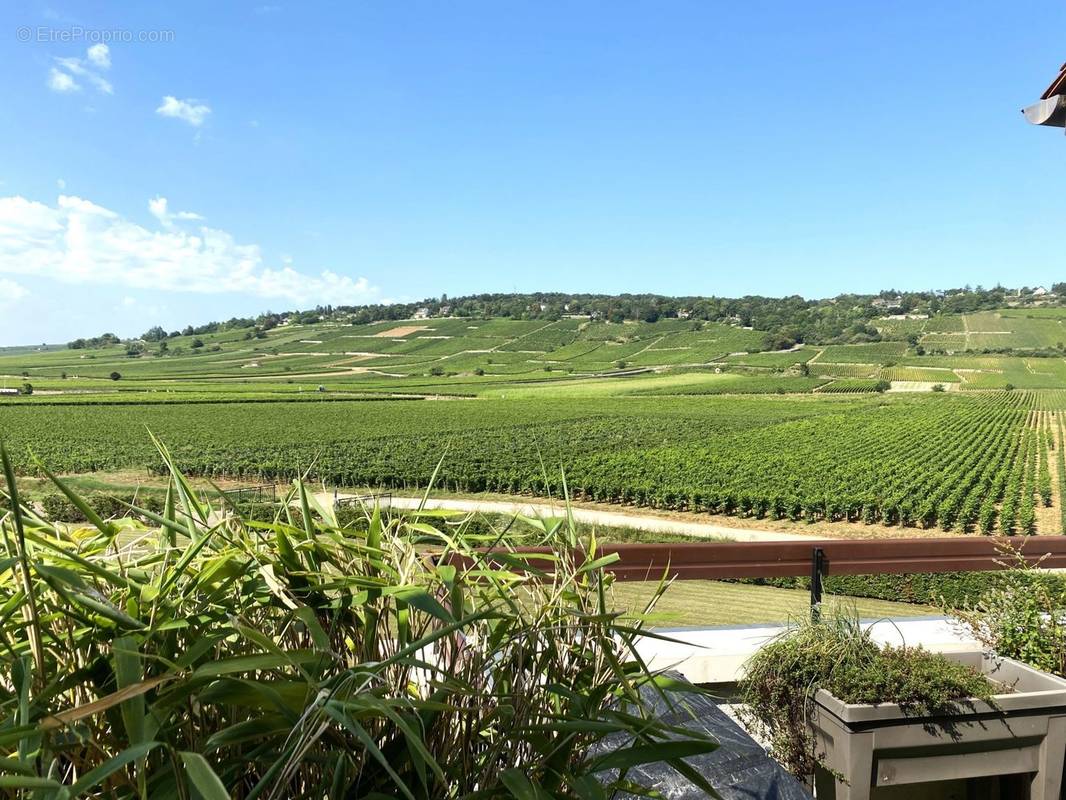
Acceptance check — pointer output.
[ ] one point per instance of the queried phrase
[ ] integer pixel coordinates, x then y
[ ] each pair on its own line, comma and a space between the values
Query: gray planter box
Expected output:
1023, 734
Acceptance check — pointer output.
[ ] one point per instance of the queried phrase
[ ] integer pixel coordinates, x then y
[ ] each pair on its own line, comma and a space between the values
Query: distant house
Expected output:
1040, 291
887, 303
445, 310
9, 391
683, 313
422, 313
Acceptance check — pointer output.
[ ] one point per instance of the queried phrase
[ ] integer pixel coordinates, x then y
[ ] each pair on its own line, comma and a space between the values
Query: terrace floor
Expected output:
716, 655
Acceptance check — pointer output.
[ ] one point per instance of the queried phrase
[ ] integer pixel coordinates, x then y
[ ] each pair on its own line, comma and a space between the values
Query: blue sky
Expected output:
273, 155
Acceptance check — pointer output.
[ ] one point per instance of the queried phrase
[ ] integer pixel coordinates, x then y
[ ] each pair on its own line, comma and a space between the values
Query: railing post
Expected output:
819, 567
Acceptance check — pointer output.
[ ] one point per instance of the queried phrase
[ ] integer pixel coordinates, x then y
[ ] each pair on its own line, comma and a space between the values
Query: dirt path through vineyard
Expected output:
613, 519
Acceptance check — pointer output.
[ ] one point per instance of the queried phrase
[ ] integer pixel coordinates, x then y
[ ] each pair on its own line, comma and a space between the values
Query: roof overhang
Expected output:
1050, 111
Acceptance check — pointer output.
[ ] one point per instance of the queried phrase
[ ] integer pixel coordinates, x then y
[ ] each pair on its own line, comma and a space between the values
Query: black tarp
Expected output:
739, 769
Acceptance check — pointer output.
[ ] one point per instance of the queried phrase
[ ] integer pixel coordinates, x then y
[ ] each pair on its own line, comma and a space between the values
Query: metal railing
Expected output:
261, 493
383, 499
718, 560
817, 558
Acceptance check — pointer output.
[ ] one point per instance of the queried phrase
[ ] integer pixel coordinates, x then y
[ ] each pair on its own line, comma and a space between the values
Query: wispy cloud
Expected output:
59, 81
191, 111
77, 241
65, 75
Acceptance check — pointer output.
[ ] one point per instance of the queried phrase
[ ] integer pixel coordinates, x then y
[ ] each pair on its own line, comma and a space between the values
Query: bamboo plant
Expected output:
193, 653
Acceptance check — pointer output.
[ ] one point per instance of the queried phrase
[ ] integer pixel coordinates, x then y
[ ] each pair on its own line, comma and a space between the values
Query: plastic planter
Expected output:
1021, 733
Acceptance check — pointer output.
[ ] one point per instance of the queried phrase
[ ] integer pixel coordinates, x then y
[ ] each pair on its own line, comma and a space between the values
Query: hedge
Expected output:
949, 589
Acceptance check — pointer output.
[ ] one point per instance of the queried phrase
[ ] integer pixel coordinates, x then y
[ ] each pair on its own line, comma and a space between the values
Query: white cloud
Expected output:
158, 208
192, 111
62, 77
61, 184
100, 55
61, 82
76, 66
10, 292
79, 242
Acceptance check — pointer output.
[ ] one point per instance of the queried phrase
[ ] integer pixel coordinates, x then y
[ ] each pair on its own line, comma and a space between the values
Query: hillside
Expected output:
467, 356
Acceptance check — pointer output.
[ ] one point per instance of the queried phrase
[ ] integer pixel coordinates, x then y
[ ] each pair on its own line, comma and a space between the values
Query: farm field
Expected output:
491, 357
981, 461
682, 415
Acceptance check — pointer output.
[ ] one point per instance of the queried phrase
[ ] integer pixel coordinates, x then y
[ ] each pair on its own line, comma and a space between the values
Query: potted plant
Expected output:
839, 709
210, 655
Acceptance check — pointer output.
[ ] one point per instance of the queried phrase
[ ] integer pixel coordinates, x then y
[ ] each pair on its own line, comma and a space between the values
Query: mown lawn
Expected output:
706, 603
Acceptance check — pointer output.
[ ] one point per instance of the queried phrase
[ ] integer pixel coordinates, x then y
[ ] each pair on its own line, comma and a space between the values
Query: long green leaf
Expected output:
200, 774
111, 766
650, 753
87, 511
30, 610
520, 786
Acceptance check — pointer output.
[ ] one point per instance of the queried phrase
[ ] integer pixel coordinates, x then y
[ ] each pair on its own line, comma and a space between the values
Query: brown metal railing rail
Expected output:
261, 493
383, 499
817, 558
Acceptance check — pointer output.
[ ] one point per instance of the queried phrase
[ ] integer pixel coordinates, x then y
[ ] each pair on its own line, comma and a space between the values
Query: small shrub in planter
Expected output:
837, 655
1022, 616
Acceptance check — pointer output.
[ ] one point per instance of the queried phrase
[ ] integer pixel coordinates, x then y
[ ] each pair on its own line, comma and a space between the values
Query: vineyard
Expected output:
677, 413
980, 465
981, 462
851, 386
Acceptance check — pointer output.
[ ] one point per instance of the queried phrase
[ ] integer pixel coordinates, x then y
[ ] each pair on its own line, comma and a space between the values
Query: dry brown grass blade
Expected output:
108, 701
